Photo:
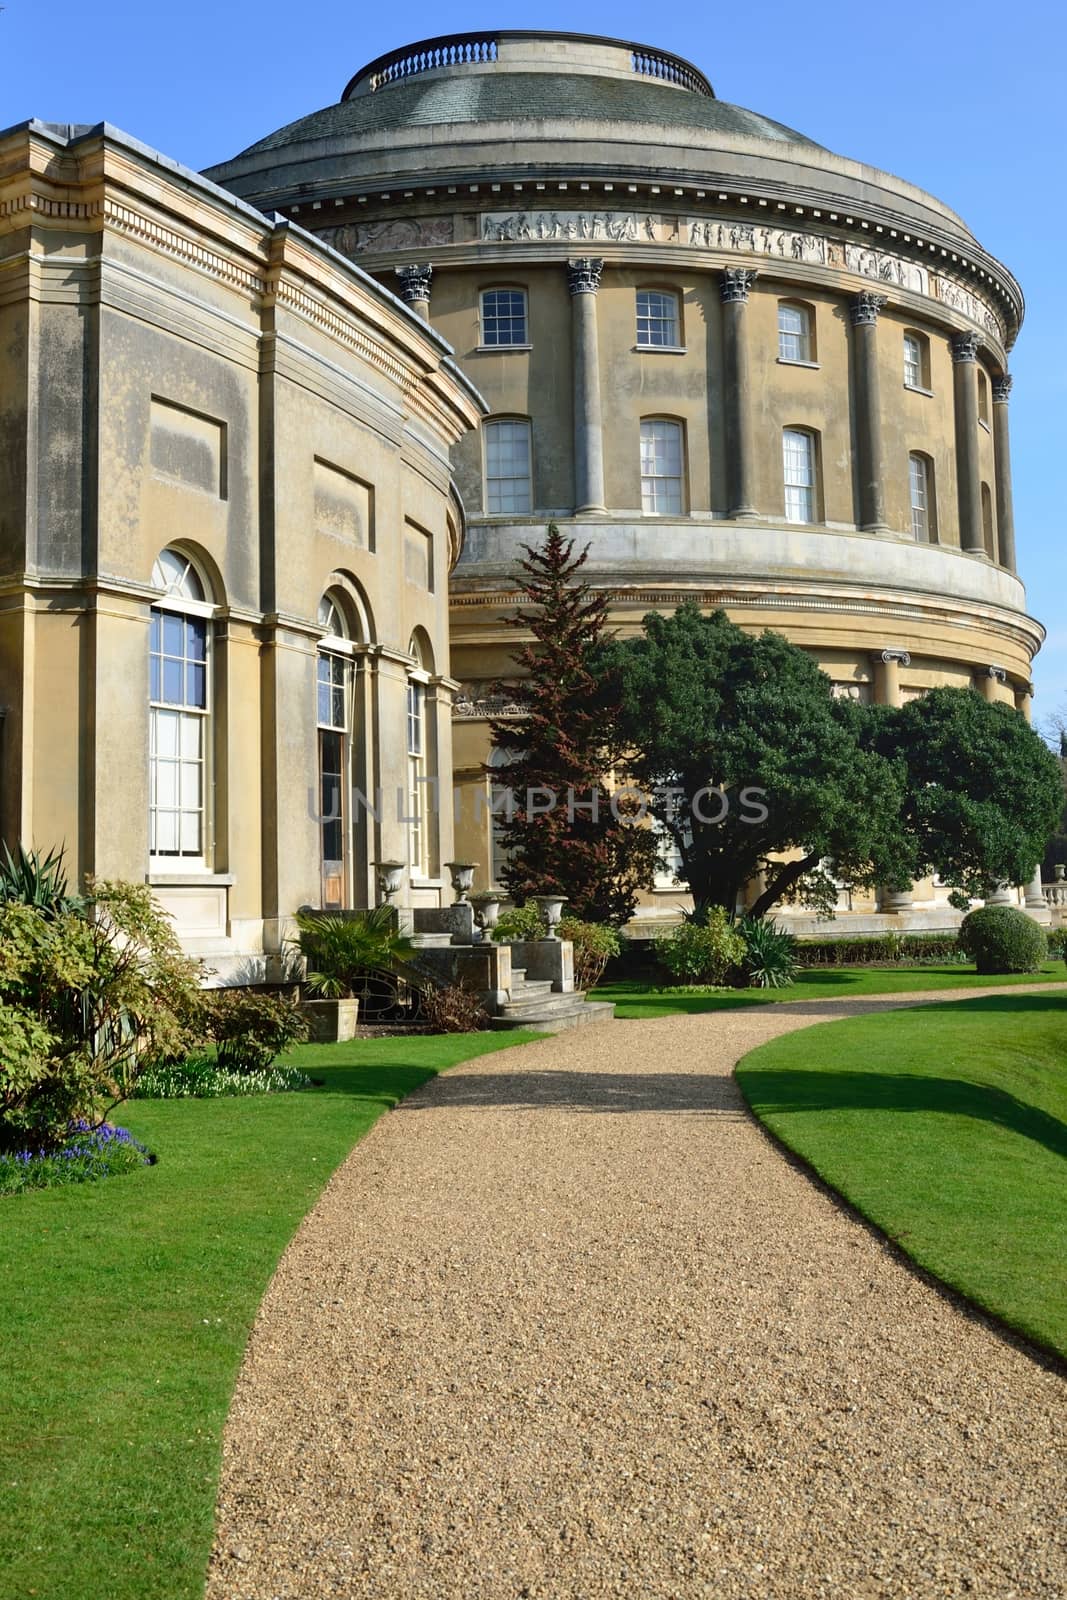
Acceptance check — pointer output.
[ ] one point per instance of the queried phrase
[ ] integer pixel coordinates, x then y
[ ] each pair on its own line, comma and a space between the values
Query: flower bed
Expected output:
202, 1078
88, 1155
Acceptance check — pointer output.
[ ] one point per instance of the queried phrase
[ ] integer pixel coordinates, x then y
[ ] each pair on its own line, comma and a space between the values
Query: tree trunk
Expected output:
791, 873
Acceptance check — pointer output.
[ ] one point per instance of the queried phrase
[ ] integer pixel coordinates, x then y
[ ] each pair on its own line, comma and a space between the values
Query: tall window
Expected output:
661, 467
507, 467
178, 714
332, 717
795, 341
798, 471
983, 397
417, 851
921, 492
988, 535
657, 318
504, 319
916, 361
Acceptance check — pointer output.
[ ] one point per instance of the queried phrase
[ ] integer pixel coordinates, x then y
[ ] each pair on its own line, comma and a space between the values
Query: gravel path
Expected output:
566, 1325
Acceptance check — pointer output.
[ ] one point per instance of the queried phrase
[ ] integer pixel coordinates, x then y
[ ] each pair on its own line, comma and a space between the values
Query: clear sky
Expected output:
968, 101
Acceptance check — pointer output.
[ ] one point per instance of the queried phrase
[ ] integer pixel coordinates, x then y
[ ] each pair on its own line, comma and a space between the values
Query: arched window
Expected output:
508, 474
916, 360
800, 475
989, 538
179, 739
332, 715
796, 332
658, 319
417, 742
662, 466
504, 318
922, 497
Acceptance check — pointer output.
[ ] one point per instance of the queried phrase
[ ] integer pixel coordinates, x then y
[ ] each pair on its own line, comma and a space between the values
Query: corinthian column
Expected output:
583, 281
740, 442
414, 286
1002, 454
968, 470
863, 312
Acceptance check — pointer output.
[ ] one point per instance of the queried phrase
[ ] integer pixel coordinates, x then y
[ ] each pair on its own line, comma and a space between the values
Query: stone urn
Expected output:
330, 1021
486, 908
390, 875
462, 875
1060, 871
552, 911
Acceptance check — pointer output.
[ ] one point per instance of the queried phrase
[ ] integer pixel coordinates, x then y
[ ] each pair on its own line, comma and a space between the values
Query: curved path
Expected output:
567, 1325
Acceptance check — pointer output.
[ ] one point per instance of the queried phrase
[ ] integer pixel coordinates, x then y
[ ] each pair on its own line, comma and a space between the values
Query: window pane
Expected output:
794, 333
798, 470
661, 468
156, 678
173, 634
507, 466
504, 317
196, 686
172, 682
657, 318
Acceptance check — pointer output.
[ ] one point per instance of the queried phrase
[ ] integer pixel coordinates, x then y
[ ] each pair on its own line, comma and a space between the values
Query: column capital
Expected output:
583, 274
1002, 389
965, 347
736, 282
995, 673
414, 282
864, 307
901, 657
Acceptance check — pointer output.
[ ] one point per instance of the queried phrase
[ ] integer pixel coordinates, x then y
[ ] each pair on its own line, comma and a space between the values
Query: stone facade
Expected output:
806, 296
226, 527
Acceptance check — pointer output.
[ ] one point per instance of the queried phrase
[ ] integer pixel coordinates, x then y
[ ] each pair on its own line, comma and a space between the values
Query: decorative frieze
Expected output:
414, 282
736, 282
799, 247
863, 309
965, 347
583, 274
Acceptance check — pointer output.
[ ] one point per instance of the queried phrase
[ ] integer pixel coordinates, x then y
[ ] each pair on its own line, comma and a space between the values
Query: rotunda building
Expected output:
736, 366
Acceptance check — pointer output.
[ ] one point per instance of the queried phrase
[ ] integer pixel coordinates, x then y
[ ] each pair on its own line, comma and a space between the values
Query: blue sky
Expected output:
967, 102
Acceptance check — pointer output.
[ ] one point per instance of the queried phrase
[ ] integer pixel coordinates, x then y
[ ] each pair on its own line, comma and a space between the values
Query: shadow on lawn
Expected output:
775, 1093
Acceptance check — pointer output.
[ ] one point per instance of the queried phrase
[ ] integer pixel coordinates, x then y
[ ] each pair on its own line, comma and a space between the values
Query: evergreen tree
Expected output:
559, 830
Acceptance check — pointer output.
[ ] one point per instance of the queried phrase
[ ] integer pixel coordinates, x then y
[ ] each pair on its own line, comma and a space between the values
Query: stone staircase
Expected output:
535, 1006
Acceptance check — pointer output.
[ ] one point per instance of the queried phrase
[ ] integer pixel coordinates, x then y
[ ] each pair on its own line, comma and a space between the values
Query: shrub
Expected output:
87, 1154
1003, 939
203, 1078
28, 878
702, 952
88, 997
770, 953
342, 952
886, 949
1057, 943
594, 945
453, 1008
520, 922
249, 1028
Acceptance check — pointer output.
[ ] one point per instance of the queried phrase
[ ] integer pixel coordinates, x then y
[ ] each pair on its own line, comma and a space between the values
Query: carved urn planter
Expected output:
552, 911
330, 1021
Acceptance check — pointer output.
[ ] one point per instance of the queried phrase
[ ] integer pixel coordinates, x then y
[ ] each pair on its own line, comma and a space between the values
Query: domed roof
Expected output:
526, 96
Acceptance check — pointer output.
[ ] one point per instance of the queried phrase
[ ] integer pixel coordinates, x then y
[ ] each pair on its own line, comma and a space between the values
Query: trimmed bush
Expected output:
886, 949
1057, 943
770, 958
1003, 939
249, 1028
595, 943
702, 952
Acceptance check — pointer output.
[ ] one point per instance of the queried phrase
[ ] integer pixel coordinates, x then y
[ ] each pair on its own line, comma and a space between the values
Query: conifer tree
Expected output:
559, 829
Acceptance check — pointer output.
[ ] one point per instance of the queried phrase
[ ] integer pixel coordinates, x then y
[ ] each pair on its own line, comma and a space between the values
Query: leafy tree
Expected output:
984, 792
752, 766
561, 833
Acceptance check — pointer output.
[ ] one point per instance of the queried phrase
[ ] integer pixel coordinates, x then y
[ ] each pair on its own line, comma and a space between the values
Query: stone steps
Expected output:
552, 1014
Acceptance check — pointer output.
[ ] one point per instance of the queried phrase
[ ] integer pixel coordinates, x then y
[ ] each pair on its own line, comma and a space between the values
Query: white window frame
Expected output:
796, 346
418, 828
658, 314
489, 320
920, 497
184, 592
508, 493
800, 478
915, 362
662, 492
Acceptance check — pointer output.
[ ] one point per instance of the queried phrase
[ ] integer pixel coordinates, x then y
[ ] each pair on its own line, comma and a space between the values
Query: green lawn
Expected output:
125, 1307
637, 1000
947, 1127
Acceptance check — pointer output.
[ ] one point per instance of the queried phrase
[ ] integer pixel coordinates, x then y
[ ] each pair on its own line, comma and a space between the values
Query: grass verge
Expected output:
635, 1000
125, 1307
947, 1127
